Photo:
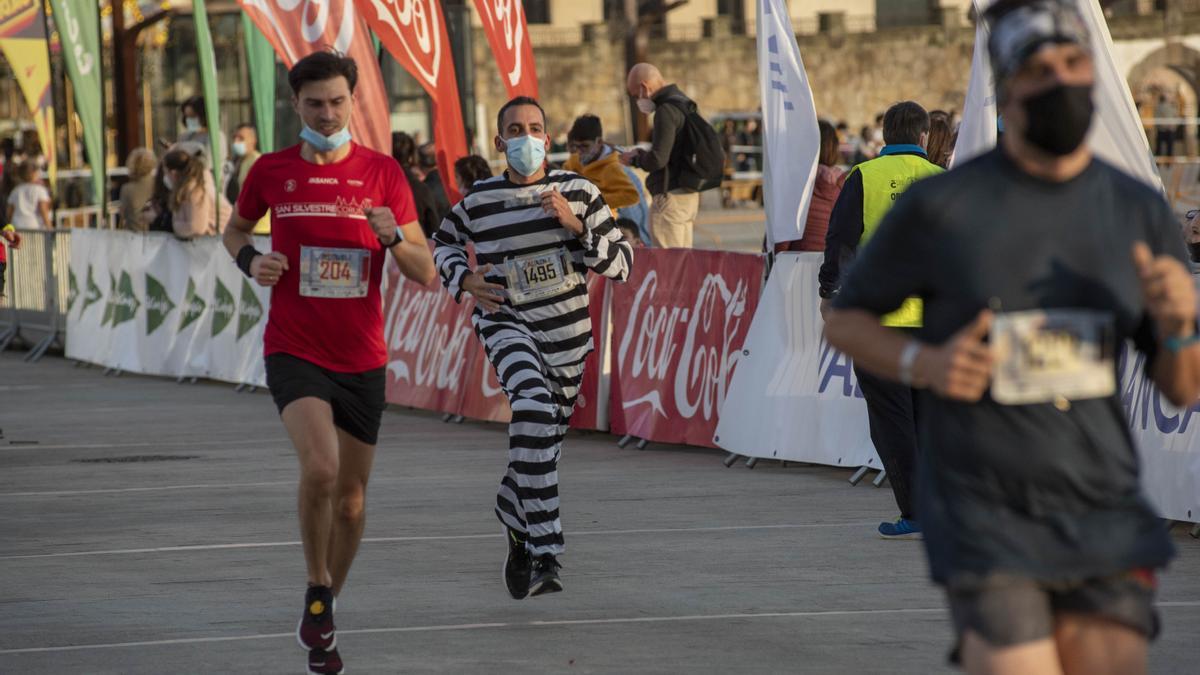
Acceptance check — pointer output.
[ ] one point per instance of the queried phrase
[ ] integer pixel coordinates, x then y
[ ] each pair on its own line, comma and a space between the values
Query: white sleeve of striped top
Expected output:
605, 249
450, 250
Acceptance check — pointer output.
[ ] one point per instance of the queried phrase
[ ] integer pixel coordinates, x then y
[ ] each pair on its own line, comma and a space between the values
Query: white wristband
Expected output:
908, 358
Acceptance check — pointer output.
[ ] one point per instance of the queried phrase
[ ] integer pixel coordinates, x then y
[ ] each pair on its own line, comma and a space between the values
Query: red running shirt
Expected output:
317, 215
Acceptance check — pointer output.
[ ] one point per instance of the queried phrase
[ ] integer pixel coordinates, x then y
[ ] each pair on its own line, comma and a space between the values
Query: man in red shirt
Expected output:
335, 209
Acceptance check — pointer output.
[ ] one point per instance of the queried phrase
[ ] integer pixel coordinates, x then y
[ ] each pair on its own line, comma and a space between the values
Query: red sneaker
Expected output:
321, 662
316, 630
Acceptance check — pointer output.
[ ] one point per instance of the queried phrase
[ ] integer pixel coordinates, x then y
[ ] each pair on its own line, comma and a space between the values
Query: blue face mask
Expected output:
526, 154
324, 143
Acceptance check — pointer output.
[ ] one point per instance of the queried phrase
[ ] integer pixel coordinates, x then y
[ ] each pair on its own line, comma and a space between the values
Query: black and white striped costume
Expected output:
537, 347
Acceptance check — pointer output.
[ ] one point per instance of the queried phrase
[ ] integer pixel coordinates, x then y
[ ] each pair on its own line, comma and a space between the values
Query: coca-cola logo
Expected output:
697, 371
428, 338
507, 18
315, 23
414, 24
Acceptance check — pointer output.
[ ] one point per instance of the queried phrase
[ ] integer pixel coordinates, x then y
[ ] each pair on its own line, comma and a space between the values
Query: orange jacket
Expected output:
608, 175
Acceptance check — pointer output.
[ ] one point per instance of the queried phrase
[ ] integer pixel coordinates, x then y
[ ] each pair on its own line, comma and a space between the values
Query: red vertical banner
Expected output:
414, 32
508, 35
297, 29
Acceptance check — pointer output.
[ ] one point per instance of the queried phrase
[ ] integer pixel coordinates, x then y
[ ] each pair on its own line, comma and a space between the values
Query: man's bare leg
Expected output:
349, 506
1039, 657
1095, 646
309, 423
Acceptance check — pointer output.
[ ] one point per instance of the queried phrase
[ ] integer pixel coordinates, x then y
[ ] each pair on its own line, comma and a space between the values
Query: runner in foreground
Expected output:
1035, 261
335, 206
536, 233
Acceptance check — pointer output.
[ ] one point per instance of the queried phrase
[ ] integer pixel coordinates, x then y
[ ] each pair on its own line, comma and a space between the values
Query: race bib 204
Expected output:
334, 272
1051, 356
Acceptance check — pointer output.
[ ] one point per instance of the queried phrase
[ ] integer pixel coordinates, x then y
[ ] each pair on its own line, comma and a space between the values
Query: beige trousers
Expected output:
672, 219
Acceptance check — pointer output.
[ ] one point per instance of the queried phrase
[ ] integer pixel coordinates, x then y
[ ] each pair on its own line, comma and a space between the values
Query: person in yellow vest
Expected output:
598, 162
869, 192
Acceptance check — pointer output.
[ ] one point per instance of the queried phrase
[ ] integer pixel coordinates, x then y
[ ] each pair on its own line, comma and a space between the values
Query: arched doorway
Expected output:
1165, 87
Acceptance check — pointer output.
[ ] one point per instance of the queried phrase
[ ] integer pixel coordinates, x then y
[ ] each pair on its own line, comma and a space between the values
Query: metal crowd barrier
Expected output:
38, 292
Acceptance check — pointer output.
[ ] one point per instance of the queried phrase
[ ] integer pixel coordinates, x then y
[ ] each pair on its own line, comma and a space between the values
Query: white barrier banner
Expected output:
155, 305
794, 398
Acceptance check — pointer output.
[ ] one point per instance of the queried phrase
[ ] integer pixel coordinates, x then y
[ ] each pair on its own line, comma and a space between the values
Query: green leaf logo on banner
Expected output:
193, 306
223, 309
94, 294
251, 311
125, 304
72, 290
108, 305
158, 304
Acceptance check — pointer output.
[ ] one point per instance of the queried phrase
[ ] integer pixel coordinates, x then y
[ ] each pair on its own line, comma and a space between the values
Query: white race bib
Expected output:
539, 275
1055, 355
334, 272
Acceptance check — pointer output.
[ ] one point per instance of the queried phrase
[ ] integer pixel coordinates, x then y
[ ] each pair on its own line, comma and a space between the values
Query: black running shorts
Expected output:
1007, 610
357, 399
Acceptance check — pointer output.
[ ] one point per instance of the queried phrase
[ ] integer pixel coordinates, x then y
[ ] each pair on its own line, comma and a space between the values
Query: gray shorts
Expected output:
1006, 609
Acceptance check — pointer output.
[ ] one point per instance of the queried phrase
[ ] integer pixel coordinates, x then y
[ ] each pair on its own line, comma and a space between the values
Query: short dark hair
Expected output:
830, 150
427, 156
631, 225
520, 100
904, 123
245, 125
195, 103
473, 169
586, 128
321, 66
404, 149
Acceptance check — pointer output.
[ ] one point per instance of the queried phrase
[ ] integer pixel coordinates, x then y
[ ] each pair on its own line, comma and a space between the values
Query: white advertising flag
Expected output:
791, 139
1116, 134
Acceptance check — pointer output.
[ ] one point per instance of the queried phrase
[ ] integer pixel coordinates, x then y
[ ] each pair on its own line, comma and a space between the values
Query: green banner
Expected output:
260, 61
78, 23
208, 82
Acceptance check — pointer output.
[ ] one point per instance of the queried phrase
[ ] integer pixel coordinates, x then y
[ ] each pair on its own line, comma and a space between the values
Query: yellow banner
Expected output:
23, 43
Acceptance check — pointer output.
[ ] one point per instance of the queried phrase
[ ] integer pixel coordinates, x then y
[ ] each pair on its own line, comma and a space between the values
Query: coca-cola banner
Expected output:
507, 33
435, 361
414, 32
297, 28
678, 328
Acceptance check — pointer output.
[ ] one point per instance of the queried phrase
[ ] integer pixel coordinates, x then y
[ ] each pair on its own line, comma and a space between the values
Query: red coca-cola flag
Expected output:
297, 28
508, 34
678, 328
414, 32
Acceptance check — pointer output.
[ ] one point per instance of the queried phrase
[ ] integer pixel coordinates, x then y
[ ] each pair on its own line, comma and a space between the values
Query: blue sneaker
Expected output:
903, 528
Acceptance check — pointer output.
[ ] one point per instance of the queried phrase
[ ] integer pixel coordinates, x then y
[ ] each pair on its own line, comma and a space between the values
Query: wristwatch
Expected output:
1177, 344
396, 241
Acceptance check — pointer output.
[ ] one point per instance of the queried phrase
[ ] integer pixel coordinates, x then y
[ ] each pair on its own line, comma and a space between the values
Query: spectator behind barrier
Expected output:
470, 170
193, 199
427, 166
138, 190
629, 230
599, 162
29, 201
941, 138
404, 151
826, 190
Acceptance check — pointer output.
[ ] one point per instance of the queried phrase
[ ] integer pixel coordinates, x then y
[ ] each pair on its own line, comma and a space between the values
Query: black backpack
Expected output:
702, 153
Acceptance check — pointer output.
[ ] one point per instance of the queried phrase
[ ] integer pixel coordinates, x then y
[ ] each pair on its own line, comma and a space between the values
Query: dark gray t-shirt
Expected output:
1029, 489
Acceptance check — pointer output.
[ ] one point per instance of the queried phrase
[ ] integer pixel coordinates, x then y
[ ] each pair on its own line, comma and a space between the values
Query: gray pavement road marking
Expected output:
448, 537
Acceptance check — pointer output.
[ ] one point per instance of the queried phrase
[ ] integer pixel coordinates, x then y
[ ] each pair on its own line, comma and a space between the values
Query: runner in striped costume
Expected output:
535, 234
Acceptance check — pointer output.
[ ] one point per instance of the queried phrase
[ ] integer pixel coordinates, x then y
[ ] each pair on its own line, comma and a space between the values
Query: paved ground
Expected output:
676, 565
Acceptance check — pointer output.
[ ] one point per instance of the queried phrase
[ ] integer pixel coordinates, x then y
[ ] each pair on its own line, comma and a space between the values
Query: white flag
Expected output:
791, 139
1116, 136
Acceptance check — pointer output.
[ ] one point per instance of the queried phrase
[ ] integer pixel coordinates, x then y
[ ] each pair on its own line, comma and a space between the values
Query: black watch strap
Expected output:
396, 240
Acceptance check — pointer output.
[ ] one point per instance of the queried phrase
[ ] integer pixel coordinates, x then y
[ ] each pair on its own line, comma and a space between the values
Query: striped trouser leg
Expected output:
528, 497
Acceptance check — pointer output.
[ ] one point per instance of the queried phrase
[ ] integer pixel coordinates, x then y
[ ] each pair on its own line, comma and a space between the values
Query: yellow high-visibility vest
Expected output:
884, 179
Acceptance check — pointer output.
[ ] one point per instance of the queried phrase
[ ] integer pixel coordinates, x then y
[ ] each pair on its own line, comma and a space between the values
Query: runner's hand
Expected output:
961, 368
557, 205
1168, 291
383, 223
266, 269
485, 292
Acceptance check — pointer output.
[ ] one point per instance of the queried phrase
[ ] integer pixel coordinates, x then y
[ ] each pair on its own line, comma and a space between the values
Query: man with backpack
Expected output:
685, 157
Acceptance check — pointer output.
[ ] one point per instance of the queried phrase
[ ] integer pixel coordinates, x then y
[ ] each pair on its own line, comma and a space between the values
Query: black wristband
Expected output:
245, 256
395, 240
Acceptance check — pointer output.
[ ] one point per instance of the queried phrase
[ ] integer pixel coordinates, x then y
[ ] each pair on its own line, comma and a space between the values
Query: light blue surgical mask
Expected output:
526, 154
238, 148
324, 143
191, 123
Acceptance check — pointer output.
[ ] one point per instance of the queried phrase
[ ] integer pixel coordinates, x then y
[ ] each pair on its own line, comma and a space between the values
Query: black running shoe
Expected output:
545, 576
517, 565
316, 630
322, 662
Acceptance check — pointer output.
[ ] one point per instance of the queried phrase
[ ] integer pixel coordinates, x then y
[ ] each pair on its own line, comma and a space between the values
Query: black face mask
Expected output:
1194, 249
1057, 120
